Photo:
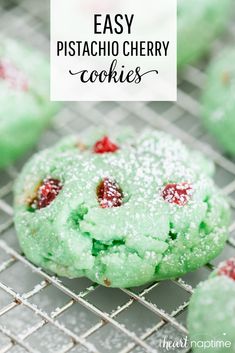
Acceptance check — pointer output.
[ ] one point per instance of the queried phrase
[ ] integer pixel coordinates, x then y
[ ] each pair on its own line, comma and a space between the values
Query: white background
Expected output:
74, 20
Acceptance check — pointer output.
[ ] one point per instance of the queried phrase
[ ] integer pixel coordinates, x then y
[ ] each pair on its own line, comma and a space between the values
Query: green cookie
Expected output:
211, 317
25, 109
121, 213
219, 100
199, 23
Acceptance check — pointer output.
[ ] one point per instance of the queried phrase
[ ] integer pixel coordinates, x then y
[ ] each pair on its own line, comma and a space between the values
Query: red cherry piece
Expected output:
227, 268
13, 75
109, 193
177, 193
47, 191
105, 145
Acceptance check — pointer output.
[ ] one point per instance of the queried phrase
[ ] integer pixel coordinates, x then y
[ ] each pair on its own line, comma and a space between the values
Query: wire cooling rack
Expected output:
42, 313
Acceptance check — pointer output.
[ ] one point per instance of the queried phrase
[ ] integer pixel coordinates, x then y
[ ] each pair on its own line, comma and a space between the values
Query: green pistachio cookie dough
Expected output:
121, 211
211, 317
218, 100
199, 23
25, 108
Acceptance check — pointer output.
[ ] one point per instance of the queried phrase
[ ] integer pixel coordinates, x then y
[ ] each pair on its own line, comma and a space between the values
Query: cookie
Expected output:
218, 100
211, 312
122, 211
25, 109
199, 23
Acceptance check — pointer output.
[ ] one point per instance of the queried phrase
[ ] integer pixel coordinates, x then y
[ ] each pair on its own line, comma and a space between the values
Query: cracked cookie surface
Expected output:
146, 211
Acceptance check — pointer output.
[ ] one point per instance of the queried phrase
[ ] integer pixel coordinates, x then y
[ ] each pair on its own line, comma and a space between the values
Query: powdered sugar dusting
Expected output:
145, 236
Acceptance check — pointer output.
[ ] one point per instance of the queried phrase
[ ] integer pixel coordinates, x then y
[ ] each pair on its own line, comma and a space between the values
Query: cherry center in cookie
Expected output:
47, 191
105, 145
227, 268
109, 193
13, 75
178, 194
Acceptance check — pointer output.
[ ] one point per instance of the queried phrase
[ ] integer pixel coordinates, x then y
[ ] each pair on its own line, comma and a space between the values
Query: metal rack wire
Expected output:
113, 320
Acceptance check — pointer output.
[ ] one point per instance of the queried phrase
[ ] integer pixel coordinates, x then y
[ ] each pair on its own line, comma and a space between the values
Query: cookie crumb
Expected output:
226, 78
81, 146
107, 282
